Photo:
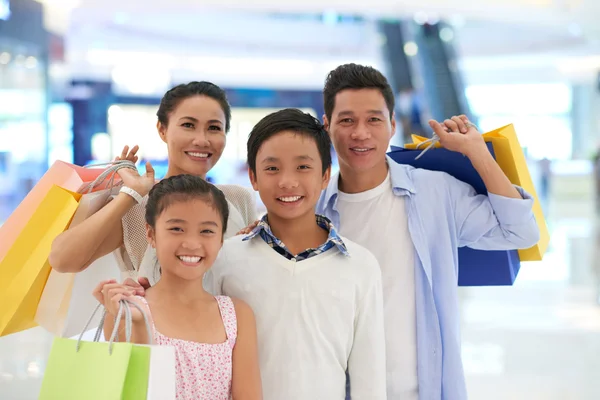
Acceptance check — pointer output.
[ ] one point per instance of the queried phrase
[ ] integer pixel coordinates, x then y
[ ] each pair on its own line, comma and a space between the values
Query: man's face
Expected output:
360, 128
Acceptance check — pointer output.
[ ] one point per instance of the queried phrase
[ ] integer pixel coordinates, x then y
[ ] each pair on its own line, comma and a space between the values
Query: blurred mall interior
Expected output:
79, 79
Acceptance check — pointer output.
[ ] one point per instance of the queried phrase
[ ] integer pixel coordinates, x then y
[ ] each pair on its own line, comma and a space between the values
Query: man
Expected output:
414, 221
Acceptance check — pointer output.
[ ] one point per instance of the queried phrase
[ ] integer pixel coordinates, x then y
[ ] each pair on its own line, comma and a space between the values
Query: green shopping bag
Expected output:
79, 370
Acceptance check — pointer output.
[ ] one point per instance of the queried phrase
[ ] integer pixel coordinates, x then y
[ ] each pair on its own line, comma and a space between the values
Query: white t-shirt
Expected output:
377, 220
315, 318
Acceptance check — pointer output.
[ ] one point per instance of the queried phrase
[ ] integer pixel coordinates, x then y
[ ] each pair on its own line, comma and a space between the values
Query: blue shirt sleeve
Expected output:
492, 222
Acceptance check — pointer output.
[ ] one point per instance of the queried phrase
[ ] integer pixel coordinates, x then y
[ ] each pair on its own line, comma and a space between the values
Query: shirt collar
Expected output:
322, 221
399, 173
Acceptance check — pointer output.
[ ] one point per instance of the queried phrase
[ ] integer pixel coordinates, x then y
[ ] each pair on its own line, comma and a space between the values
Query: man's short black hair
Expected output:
294, 120
354, 76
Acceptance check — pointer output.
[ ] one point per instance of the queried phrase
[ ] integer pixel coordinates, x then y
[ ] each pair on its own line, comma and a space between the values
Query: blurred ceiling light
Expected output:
579, 64
141, 79
411, 49
421, 18
121, 18
111, 58
5, 58
575, 30
57, 14
67, 4
20, 60
250, 66
330, 17
433, 20
101, 149
457, 21
115, 112
31, 62
446, 34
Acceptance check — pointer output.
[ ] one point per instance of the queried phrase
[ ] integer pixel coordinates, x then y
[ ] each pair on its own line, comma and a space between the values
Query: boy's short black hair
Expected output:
354, 76
182, 188
289, 119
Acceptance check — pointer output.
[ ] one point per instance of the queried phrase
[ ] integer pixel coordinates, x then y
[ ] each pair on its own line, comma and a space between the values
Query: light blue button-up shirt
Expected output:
443, 215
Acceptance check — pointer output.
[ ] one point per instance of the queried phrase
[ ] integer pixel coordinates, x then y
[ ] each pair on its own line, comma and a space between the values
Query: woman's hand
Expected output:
131, 178
248, 229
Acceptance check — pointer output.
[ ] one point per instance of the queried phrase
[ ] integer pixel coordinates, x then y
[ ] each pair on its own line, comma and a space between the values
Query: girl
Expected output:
192, 120
214, 338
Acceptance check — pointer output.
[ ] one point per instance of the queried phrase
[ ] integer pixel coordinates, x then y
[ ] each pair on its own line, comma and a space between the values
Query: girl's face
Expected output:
195, 136
187, 237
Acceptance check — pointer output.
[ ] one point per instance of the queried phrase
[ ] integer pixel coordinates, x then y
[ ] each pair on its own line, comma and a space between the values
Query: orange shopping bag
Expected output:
510, 157
67, 176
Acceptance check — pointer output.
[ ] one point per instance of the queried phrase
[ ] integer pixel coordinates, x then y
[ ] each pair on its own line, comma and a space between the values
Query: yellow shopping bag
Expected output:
510, 157
24, 268
58, 311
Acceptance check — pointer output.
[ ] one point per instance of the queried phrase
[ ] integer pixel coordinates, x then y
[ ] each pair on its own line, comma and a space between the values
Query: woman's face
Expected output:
195, 136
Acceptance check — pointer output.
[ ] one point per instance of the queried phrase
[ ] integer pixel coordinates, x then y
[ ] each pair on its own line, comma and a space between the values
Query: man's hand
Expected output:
460, 135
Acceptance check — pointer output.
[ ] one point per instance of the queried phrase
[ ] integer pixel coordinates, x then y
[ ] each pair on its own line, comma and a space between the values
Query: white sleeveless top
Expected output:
136, 258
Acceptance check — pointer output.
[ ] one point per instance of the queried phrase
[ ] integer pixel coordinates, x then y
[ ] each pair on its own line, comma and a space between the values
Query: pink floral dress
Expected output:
204, 371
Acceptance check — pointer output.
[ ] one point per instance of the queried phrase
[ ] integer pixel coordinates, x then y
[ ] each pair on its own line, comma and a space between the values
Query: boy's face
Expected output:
289, 176
360, 128
187, 237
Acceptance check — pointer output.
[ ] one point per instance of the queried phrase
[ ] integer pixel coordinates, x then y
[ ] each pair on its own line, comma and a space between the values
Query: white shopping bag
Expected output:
162, 383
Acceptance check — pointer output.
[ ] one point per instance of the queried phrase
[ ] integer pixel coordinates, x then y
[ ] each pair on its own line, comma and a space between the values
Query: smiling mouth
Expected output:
199, 154
360, 149
190, 260
290, 199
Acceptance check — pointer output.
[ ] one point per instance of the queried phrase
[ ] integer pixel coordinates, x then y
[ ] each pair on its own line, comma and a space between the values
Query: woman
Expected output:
192, 120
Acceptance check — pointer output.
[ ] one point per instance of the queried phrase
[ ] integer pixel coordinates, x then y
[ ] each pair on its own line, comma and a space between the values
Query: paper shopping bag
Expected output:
25, 269
94, 373
162, 382
82, 302
475, 267
511, 159
95, 370
67, 176
60, 310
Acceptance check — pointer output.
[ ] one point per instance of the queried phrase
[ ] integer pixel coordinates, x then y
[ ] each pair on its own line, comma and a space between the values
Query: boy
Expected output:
414, 221
316, 296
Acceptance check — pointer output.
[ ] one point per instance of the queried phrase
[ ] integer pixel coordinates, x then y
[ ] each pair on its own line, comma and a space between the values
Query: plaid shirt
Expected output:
264, 230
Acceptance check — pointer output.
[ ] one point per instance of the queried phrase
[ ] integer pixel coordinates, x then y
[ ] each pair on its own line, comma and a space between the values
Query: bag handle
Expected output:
124, 306
431, 143
435, 139
111, 171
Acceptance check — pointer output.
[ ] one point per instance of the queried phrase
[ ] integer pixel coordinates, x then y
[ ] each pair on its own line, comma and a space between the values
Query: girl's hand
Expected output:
110, 293
131, 178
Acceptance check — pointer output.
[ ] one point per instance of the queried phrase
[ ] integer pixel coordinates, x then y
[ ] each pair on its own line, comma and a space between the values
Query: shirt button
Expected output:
294, 260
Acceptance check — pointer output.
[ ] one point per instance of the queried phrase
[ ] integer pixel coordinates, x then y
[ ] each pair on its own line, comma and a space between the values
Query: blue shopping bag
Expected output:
475, 267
